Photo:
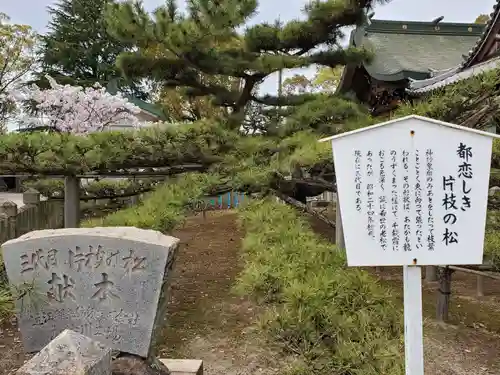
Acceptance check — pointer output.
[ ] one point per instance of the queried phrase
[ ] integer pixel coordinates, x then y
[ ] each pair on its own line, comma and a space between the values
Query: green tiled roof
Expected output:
147, 107
404, 49
153, 109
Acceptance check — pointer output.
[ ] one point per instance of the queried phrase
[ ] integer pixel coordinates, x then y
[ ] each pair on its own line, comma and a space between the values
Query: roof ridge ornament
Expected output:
437, 20
368, 18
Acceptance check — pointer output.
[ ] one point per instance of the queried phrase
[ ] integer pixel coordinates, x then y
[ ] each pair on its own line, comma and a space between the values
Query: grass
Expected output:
338, 320
6, 302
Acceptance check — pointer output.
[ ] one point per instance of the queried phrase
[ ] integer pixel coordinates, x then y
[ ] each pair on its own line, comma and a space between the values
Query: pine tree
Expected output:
77, 50
208, 41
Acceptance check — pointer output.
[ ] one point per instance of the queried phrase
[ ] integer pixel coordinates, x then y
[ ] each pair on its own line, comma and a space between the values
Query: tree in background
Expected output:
326, 80
74, 109
179, 106
17, 57
482, 18
177, 102
77, 50
207, 41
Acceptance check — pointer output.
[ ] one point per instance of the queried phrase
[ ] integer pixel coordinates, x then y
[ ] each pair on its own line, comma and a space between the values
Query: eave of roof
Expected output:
467, 68
404, 49
147, 107
474, 52
459, 75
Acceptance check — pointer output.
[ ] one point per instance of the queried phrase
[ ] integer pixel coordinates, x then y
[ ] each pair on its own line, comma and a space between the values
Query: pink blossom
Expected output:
79, 110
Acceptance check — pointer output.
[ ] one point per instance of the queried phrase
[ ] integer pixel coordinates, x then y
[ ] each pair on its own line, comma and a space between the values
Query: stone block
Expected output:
184, 366
493, 190
70, 353
31, 196
9, 208
104, 283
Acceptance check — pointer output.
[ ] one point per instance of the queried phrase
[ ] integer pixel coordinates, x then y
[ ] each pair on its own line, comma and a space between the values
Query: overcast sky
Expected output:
33, 12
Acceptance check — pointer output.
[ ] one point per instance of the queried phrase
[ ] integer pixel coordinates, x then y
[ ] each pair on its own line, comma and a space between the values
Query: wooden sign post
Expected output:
414, 193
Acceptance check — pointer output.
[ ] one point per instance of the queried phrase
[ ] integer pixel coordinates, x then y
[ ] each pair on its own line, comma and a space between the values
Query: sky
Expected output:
33, 12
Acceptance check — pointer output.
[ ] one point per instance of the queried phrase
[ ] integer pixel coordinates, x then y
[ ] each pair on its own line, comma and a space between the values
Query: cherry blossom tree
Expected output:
74, 109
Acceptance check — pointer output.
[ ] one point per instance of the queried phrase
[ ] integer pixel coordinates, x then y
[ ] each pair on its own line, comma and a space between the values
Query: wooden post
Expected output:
134, 199
443, 303
431, 274
71, 202
31, 198
339, 229
480, 285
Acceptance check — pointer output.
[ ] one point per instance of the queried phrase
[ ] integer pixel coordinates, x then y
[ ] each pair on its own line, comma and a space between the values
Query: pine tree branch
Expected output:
292, 100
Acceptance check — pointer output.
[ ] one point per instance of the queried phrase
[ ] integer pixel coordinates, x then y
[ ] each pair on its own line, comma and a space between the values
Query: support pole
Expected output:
443, 303
71, 202
339, 229
414, 336
431, 274
480, 286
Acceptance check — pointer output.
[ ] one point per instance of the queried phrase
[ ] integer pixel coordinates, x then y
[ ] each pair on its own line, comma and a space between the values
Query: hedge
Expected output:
163, 208
338, 320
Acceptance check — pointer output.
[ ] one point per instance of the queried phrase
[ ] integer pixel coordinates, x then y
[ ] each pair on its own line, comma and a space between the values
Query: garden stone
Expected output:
104, 283
494, 190
70, 353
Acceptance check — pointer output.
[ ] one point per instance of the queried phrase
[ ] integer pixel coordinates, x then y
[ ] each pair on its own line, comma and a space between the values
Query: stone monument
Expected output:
70, 353
104, 283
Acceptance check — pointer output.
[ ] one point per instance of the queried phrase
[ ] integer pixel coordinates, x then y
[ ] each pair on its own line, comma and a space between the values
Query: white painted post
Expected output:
414, 337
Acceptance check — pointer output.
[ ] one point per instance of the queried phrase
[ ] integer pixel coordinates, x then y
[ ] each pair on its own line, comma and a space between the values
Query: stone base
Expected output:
184, 366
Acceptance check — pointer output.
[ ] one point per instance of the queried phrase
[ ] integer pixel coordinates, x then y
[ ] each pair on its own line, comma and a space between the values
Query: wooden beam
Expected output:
475, 272
303, 207
169, 171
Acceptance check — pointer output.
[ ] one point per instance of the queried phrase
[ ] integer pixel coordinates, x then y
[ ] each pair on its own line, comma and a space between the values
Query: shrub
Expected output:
492, 249
492, 236
339, 320
6, 302
163, 208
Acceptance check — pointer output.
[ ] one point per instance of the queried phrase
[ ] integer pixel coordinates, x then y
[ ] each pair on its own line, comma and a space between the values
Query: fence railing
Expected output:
225, 201
33, 215
36, 214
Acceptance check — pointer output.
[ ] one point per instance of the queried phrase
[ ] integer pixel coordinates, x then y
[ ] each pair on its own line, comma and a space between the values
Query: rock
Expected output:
494, 190
130, 365
70, 353
104, 283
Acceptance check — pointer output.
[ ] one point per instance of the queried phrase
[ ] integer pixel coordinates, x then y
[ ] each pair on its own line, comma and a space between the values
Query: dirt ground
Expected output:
206, 321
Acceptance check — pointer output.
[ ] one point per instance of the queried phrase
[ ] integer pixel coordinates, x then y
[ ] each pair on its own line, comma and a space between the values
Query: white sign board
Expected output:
413, 191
